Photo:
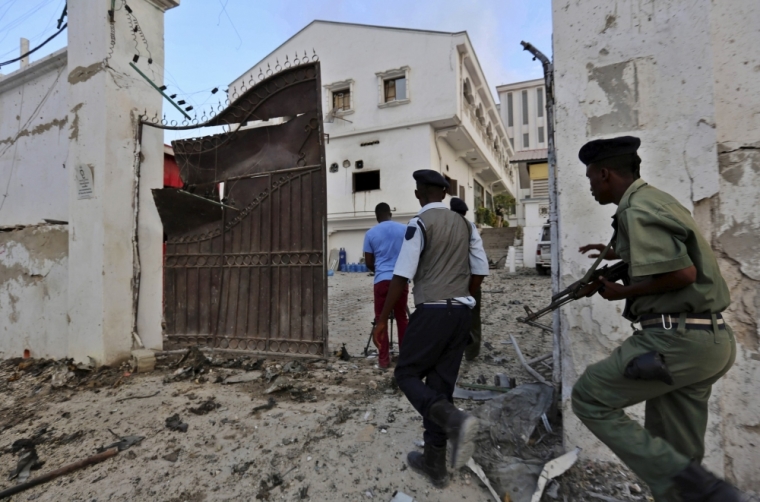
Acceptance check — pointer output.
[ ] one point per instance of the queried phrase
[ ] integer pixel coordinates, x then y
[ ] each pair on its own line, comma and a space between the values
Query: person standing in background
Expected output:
382, 244
473, 348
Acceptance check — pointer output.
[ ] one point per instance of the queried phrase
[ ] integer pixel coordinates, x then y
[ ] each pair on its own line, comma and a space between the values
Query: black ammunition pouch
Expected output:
649, 366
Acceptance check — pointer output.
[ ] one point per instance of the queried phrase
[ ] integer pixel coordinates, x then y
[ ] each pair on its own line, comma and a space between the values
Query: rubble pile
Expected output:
214, 426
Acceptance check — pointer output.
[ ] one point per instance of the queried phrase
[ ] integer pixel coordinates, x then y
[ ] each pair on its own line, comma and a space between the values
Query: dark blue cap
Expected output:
601, 149
430, 177
458, 206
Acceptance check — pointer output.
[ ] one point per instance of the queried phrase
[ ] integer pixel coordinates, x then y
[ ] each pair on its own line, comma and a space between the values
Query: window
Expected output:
512, 142
452, 186
525, 107
479, 195
541, 134
467, 90
510, 121
526, 140
395, 89
461, 192
540, 102
489, 201
341, 100
366, 181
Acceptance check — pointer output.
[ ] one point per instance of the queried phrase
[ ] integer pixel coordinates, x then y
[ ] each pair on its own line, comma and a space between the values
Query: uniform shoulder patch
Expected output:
410, 231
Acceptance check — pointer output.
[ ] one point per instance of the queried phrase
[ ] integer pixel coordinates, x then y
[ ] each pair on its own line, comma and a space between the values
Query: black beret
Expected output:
458, 205
600, 149
430, 177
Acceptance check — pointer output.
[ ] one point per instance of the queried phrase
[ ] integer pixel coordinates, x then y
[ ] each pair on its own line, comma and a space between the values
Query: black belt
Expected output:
670, 321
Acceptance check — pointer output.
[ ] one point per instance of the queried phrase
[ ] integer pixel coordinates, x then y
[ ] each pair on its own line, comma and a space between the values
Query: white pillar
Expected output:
106, 98
23, 50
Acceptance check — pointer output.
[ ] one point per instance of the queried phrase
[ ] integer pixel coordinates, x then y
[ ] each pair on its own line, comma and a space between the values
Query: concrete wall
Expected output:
72, 290
33, 300
685, 81
107, 100
34, 135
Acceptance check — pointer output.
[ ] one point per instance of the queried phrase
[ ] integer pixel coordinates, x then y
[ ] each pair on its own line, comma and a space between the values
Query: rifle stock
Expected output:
613, 273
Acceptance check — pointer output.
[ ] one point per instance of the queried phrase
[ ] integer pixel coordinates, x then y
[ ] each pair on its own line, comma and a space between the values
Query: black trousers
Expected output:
432, 351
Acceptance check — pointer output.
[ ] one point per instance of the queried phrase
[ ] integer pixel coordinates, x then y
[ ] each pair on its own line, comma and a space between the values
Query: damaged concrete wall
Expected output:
684, 80
33, 277
34, 134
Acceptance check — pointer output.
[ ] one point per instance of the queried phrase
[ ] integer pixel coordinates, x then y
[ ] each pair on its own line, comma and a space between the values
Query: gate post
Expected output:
105, 162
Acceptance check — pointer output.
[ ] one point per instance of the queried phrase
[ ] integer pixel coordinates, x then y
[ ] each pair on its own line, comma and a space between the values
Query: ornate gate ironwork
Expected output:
248, 272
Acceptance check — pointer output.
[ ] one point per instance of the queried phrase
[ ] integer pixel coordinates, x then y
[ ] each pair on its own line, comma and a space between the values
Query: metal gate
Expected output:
245, 269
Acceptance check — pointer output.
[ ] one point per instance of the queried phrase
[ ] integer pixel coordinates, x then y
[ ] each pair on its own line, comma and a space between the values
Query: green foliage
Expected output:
519, 232
504, 199
485, 216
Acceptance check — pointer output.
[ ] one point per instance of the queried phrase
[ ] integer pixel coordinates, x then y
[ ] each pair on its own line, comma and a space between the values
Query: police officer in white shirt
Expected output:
447, 264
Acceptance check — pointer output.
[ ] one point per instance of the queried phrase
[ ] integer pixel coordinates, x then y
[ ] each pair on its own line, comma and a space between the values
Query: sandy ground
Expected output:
338, 430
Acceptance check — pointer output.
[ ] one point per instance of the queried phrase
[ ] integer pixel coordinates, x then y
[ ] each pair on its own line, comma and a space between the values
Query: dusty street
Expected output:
335, 429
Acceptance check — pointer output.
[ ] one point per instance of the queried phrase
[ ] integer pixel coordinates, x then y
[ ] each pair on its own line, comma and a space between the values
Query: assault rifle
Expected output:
580, 289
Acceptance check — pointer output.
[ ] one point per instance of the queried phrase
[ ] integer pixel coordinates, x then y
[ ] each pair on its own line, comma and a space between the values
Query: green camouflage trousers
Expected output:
676, 415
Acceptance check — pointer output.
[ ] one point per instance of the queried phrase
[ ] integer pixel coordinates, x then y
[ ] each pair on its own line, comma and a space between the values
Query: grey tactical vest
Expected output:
444, 268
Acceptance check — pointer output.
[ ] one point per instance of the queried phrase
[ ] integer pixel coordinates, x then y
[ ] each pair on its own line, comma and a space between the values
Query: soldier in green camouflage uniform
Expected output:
684, 345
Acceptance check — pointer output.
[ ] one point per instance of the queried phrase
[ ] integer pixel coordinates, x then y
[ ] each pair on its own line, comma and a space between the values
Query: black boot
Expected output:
697, 484
431, 464
460, 428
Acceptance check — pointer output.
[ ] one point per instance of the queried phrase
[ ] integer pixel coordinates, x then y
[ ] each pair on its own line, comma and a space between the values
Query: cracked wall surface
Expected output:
33, 301
686, 82
34, 130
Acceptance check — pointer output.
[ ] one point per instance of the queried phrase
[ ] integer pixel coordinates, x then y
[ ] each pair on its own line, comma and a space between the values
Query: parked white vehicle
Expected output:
544, 251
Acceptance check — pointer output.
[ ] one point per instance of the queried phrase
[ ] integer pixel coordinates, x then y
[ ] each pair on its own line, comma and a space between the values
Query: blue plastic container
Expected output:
330, 273
343, 267
341, 258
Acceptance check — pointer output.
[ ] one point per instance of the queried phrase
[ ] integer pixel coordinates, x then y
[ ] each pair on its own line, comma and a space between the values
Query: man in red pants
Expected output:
382, 245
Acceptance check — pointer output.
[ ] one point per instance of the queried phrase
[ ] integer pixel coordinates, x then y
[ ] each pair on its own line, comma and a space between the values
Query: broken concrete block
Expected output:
143, 360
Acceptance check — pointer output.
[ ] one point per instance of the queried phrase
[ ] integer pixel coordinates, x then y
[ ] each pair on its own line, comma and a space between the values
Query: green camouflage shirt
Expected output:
656, 235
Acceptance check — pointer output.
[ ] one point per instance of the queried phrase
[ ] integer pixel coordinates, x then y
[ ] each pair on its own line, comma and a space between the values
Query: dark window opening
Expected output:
342, 100
510, 121
453, 186
366, 181
541, 134
525, 107
540, 102
395, 89
526, 140
461, 192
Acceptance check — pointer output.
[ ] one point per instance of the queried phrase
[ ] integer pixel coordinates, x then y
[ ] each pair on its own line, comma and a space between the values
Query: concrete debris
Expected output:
503, 450
124, 443
173, 423
552, 469
143, 361
243, 377
173, 456
205, 408
27, 462
474, 467
401, 497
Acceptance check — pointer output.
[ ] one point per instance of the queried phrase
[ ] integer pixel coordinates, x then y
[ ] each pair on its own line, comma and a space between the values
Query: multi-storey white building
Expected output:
523, 110
397, 100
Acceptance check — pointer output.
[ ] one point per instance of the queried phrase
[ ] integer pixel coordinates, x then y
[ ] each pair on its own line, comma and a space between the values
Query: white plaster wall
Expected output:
734, 220
33, 285
532, 232
107, 101
34, 135
676, 77
358, 52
